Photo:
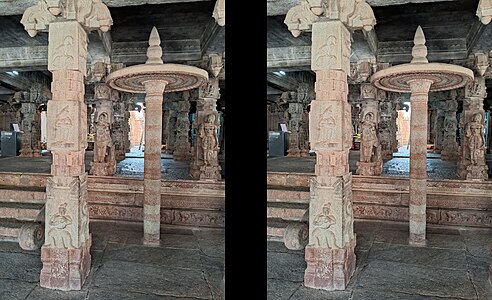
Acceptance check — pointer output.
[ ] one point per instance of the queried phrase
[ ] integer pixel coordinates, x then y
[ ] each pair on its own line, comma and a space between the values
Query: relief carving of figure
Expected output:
369, 143
58, 234
326, 126
103, 144
210, 141
63, 53
476, 142
63, 127
322, 233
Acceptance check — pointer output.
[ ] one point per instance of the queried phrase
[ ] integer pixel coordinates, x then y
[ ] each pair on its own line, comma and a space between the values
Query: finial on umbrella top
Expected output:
154, 52
419, 50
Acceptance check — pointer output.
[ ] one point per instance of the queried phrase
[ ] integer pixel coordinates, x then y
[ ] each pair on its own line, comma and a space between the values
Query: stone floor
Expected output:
453, 265
189, 264
399, 165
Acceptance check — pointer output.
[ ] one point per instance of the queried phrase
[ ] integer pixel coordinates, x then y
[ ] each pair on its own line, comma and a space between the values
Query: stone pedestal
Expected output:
370, 162
472, 164
182, 150
152, 161
205, 163
418, 160
104, 163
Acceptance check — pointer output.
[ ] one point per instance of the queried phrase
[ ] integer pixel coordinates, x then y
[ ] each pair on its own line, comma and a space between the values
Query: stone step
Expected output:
22, 194
20, 211
29, 234
287, 211
276, 229
10, 228
288, 194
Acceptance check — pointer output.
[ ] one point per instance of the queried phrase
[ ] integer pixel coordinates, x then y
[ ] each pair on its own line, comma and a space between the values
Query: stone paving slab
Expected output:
20, 266
15, 289
439, 258
211, 242
478, 270
286, 266
110, 294
175, 258
304, 293
413, 279
278, 289
47, 294
151, 279
477, 242
364, 294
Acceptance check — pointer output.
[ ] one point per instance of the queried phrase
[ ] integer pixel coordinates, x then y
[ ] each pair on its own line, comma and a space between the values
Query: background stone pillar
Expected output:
66, 253
182, 149
449, 149
121, 125
472, 124
387, 125
170, 128
439, 127
104, 163
295, 121
206, 106
370, 162
30, 120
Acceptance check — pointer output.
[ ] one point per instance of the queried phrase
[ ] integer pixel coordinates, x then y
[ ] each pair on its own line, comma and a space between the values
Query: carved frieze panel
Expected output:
67, 47
331, 50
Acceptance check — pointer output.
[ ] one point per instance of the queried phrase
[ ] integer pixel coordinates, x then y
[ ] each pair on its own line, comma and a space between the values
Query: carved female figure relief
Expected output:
63, 54
322, 233
103, 144
58, 234
476, 141
326, 127
370, 144
210, 141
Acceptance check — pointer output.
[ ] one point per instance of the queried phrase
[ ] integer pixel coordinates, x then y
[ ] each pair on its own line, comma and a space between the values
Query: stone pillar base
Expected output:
103, 169
36, 153
385, 154
210, 173
449, 155
26, 153
294, 152
65, 269
369, 169
475, 172
329, 269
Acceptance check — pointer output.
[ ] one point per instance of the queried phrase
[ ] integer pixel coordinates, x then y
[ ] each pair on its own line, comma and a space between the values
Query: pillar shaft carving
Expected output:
449, 146
182, 150
66, 254
387, 125
370, 162
121, 126
205, 163
30, 125
170, 127
471, 164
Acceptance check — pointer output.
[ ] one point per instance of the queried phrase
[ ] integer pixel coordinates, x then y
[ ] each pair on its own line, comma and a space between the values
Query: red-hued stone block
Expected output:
65, 269
329, 269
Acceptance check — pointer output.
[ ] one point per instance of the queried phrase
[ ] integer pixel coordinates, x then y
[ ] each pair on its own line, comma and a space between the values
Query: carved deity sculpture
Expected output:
322, 233
476, 142
370, 144
103, 144
58, 234
210, 141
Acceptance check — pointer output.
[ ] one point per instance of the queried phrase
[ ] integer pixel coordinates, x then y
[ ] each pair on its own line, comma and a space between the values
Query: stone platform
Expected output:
453, 265
189, 264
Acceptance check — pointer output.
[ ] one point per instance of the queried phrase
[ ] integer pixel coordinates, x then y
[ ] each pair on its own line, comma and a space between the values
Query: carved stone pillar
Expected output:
471, 164
205, 163
121, 125
104, 163
387, 125
66, 253
30, 122
439, 128
182, 150
171, 128
370, 162
295, 119
449, 149
330, 253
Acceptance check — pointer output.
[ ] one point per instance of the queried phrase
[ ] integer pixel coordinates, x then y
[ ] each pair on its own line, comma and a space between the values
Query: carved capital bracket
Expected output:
484, 11
92, 15
355, 14
219, 12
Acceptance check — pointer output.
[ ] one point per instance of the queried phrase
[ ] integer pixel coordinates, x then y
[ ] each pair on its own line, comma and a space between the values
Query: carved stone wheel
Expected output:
296, 236
31, 236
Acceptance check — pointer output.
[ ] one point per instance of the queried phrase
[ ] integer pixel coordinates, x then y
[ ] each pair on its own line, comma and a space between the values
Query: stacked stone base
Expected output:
369, 168
103, 169
473, 172
329, 269
65, 269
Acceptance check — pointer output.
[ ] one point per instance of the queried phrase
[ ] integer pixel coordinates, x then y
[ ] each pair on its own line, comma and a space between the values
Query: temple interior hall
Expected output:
112, 149
379, 140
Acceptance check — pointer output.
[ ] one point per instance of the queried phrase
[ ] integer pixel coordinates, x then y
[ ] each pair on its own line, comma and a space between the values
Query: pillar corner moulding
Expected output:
354, 14
92, 15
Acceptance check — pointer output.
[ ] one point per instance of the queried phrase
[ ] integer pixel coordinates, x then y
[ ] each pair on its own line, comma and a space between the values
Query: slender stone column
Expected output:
205, 163
370, 162
471, 164
418, 160
449, 149
104, 163
330, 253
387, 125
439, 128
152, 161
121, 125
171, 129
182, 151
66, 253
28, 124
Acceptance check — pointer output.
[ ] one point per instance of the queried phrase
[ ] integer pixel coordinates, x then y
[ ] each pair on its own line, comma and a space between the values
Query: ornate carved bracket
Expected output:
355, 14
219, 12
484, 11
